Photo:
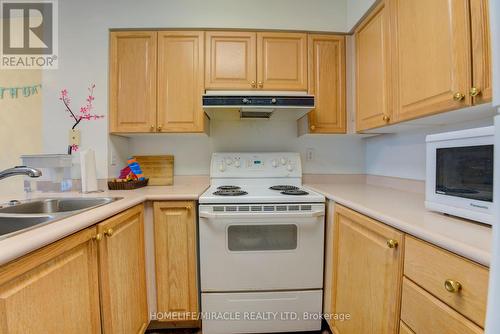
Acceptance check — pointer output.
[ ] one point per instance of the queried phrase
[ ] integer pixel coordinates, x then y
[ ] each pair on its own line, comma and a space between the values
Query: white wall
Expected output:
355, 10
403, 155
332, 153
83, 48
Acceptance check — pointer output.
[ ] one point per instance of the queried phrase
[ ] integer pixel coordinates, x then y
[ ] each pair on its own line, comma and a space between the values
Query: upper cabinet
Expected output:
373, 105
249, 60
230, 60
281, 61
180, 81
327, 83
132, 81
481, 90
156, 81
419, 58
431, 56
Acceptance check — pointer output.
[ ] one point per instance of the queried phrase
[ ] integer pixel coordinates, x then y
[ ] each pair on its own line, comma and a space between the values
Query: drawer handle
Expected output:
452, 286
391, 243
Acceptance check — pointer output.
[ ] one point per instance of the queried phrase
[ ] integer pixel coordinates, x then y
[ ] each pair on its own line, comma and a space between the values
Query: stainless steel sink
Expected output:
56, 205
29, 214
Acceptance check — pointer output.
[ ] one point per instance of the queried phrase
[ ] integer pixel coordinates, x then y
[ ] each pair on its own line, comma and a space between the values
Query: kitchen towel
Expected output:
89, 174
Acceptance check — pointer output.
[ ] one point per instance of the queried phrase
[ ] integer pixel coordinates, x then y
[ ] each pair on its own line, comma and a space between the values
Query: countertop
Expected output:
405, 211
184, 188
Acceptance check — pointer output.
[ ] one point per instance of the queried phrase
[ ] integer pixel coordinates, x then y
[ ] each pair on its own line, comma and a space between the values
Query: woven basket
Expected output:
130, 185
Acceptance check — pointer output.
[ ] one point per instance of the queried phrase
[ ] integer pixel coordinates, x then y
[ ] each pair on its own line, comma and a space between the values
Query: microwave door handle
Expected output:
256, 215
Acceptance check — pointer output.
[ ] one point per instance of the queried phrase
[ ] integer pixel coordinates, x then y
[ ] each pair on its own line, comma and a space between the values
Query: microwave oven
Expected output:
459, 174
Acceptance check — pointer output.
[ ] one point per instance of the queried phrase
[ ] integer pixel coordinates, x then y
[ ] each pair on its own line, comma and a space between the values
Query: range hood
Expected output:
231, 105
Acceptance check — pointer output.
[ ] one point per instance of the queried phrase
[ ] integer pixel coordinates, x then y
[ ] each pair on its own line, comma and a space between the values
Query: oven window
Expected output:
243, 238
465, 172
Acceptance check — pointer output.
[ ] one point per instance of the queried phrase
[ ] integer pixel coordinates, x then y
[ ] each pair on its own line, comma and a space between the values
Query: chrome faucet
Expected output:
20, 170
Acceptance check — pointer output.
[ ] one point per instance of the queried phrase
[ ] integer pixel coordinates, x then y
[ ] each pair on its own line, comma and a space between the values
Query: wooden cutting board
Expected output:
158, 168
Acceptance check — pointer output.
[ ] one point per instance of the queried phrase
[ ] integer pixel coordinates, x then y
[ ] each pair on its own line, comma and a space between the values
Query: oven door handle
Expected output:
257, 215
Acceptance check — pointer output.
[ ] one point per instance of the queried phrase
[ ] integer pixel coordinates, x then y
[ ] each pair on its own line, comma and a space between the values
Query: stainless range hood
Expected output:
230, 105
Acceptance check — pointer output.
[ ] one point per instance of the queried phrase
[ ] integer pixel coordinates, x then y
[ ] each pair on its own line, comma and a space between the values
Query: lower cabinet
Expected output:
92, 281
367, 274
53, 290
122, 272
435, 291
176, 260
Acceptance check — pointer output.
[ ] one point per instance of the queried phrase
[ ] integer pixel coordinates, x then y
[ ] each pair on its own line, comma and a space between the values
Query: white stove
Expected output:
261, 236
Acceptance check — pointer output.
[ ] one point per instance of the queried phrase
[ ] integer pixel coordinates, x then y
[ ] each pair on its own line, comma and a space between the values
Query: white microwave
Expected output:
459, 178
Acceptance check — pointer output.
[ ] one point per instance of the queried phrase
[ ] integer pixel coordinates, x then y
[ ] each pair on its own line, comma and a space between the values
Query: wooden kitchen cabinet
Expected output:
367, 264
431, 56
230, 60
373, 88
481, 90
54, 289
175, 256
281, 61
123, 273
180, 81
240, 60
132, 81
327, 84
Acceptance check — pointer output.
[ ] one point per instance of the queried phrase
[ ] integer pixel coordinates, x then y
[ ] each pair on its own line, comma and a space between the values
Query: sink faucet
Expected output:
20, 170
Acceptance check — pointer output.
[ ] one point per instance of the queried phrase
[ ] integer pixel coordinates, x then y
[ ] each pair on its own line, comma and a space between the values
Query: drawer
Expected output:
430, 267
423, 313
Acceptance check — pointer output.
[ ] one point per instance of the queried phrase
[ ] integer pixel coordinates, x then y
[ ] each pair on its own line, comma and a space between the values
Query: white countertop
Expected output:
184, 188
406, 212
401, 209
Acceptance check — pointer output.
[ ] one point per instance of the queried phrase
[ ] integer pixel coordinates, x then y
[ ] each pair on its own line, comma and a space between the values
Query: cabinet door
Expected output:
481, 51
327, 83
281, 61
431, 56
230, 60
123, 272
132, 81
373, 102
368, 265
175, 256
52, 290
180, 81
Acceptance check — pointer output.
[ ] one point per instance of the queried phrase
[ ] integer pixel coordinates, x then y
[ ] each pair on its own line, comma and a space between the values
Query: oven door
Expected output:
261, 251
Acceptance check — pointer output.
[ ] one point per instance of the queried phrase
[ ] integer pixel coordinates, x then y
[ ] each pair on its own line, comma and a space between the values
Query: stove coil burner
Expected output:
230, 193
295, 192
284, 188
228, 188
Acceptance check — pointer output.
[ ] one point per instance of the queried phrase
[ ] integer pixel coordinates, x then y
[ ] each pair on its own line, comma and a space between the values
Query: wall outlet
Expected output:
74, 137
310, 154
113, 160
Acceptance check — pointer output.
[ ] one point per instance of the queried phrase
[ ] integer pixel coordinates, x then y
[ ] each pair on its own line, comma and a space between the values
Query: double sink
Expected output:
17, 217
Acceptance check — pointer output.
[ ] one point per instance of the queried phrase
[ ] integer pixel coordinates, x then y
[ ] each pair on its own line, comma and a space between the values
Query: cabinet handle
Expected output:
452, 286
159, 127
474, 91
313, 127
152, 127
261, 84
458, 96
391, 243
386, 118
97, 237
109, 232
253, 84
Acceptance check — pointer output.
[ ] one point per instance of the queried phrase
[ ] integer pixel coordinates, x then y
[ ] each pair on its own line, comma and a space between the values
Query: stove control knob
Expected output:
237, 164
229, 161
289, 168
283, 161
274, 163
222, 167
